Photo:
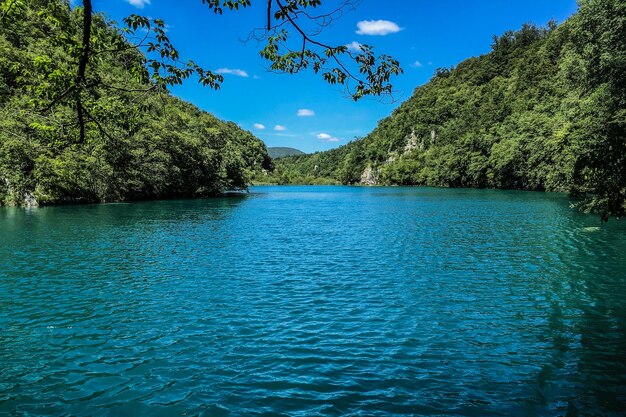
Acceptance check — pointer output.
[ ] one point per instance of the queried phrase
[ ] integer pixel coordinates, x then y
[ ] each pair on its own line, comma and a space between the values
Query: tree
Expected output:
139, 141
544, 110
362, 73
600, 171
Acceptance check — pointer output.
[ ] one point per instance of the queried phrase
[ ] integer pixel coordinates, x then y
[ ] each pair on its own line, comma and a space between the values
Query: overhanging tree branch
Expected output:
162, 67
82, 66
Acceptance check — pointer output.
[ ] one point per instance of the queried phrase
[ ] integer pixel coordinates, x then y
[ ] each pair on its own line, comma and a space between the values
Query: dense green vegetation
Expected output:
544, 110
281, 152
139, 142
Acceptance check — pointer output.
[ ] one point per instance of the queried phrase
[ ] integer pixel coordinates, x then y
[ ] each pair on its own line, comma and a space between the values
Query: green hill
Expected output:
544, 110
281, 152
138, 143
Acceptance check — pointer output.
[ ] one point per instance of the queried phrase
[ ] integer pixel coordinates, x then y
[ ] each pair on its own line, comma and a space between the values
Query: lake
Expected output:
307, 301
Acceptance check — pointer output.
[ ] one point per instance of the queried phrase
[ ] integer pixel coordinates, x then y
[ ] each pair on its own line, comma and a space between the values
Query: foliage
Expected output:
292, 45
139, 141
544, 110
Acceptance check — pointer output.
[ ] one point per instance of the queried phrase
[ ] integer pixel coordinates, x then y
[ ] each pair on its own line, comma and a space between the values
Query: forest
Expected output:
545, 109
132, 140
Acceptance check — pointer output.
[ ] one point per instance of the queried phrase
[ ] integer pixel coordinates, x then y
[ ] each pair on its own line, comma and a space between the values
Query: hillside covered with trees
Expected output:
132, 140
544, 110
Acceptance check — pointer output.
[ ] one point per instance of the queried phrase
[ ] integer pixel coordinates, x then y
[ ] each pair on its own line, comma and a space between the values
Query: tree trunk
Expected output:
82, 65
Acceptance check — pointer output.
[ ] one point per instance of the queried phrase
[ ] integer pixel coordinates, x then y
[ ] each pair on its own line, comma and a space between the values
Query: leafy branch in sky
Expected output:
292, 45
289, 22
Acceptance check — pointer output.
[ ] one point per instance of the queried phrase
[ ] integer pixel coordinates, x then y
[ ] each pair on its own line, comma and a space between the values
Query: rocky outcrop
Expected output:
10, 196
30, 200
413, 143
369, 176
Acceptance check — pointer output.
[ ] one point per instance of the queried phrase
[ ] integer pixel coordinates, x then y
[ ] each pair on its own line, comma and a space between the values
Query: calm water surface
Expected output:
307, 301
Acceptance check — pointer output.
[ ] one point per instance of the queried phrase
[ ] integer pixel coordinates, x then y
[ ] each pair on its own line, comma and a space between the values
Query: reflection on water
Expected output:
314, 300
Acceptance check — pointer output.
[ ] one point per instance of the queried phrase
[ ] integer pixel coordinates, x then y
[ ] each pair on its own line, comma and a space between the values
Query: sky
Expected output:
302, 111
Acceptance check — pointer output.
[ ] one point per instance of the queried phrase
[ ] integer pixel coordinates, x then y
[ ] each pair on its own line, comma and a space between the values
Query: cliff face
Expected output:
372, 174
369, 177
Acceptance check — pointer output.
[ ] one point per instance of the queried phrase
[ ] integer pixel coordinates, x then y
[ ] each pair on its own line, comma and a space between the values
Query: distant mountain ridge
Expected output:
282, 152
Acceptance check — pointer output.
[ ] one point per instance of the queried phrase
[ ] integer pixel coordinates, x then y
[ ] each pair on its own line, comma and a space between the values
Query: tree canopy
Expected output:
135, 140
544, 110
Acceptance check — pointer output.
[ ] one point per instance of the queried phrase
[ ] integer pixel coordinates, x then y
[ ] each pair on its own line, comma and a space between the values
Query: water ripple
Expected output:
307, 301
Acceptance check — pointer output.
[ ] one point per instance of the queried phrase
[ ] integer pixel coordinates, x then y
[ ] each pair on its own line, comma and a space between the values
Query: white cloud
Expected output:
305, 113
416, 64
280, 128
232, 71
140, 4
259, 126
354, 46
377, 27
327, 138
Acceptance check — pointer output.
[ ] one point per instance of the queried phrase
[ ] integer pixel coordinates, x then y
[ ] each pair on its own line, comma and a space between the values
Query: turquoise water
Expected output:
308, 301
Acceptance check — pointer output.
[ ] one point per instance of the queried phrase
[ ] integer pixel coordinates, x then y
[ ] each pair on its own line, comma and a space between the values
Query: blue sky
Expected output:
431, 35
